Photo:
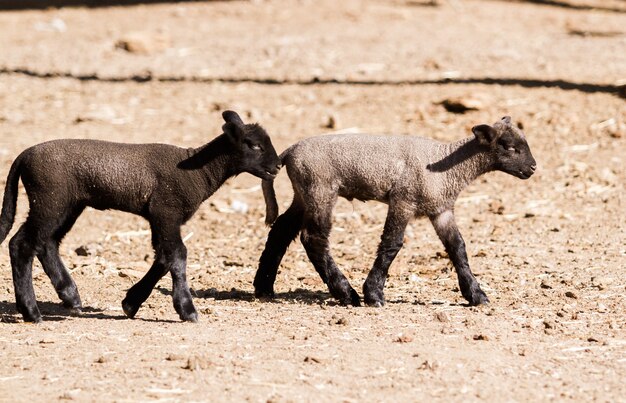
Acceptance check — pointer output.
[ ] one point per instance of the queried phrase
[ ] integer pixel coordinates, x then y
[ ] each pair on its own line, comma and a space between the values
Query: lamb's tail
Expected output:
10, 198
271, 205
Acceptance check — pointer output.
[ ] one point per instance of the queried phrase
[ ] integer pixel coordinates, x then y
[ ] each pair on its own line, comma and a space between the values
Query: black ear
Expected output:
507, 120
232, 117
233, 132
485, 134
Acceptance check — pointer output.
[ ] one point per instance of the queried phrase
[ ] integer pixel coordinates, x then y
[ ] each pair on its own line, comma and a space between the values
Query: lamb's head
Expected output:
508, 147
255, 152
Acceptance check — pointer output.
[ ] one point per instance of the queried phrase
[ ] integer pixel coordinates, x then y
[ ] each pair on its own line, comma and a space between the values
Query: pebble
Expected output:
330, 122
441, 316
196, 362
462, 104
144, 43
313, 359
82, 250
431, 365
403, 338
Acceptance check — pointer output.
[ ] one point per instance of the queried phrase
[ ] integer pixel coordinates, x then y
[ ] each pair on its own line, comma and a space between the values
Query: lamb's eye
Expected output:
511, 149
253, 146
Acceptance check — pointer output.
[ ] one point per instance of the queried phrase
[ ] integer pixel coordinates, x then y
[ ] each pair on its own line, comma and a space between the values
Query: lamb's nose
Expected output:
278, 166
533, 167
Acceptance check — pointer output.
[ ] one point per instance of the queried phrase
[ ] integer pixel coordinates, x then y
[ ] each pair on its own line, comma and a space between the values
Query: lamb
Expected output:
162, 183
414, 176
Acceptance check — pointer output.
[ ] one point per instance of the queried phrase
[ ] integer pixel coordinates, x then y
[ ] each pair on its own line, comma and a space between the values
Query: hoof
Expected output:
30, 315
374, 303
264, 293
32, 318
375, 299
351, 299
477, 297
129, 309
76, 311
193, 317
186, 311
355, 300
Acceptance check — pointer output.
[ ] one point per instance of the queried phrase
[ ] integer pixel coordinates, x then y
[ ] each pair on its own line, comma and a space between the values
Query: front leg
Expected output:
139, 293
446, 229
171, 255
390, 243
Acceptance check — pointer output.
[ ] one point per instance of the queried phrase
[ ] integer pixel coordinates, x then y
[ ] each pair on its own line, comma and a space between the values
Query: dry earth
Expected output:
550, 251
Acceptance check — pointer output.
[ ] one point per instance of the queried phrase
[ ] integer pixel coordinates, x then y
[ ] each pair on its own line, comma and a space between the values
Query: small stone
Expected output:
441, 316
102, 359
403, 338
342, 321
174, 357
482, 337
430, 365
143, 43
461, 104
330, 122
313, 359
545, 285
496, 207
195, 363
82, 250
70, 394
571, 294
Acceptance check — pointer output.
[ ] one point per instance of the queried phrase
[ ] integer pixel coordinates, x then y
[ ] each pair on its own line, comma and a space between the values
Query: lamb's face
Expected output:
511, 150
508, 146
257, 154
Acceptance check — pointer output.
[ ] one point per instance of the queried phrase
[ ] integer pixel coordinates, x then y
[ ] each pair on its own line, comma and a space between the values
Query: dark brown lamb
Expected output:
164, 184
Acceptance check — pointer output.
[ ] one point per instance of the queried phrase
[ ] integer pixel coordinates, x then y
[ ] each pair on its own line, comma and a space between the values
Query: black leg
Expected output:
171, 255
314, 237
22, 254
140, 291
53, 265
59, 276
446, 229
283, 232
390, 244
176, 255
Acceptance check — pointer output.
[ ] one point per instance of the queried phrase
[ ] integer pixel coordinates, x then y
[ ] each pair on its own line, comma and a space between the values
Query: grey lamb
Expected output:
414, 176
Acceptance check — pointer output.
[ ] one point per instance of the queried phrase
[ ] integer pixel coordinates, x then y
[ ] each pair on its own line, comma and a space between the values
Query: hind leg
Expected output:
314, 237
22, 254
283, 232
53, 265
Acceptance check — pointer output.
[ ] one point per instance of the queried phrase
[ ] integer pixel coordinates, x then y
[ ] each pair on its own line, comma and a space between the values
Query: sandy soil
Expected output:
550, 252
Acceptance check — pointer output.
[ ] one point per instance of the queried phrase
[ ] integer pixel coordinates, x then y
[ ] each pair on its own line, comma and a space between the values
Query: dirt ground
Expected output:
550, 252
